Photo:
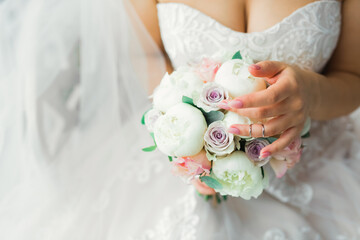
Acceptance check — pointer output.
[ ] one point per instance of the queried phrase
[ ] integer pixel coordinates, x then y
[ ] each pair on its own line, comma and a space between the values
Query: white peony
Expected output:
180, 132
166, 95
235, 77
182, 82
234, 118
238, 176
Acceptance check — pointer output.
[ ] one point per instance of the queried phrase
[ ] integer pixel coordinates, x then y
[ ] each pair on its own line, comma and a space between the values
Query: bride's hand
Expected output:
286, 101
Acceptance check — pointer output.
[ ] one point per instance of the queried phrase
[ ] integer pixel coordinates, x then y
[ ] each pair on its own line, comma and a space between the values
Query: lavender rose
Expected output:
253, 149
218, 141
212, 94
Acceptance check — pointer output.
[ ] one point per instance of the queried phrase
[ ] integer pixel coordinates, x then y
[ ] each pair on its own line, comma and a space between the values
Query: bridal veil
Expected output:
74, 76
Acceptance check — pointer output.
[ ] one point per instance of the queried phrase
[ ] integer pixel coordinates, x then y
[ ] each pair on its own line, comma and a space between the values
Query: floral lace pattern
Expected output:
306, 38
304, 233
178, 221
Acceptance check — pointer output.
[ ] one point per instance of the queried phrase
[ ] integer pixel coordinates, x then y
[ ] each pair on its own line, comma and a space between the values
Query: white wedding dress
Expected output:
70, 160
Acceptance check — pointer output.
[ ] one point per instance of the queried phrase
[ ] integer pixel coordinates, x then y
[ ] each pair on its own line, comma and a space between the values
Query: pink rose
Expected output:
287, 158
189, 167
207, 69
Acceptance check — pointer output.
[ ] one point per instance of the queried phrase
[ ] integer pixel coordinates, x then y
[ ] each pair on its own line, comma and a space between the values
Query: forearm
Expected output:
334, 94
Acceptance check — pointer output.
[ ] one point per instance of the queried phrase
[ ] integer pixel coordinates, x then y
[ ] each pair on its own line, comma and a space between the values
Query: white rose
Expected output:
180, 132
173, 87
151, 117
235, 77
238, 176
234, 118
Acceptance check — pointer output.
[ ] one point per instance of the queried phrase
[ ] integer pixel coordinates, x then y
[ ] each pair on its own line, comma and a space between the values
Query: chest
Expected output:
245, 15
306, 37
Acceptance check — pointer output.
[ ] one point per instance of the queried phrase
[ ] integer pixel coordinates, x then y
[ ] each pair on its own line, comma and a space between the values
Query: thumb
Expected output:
267, 69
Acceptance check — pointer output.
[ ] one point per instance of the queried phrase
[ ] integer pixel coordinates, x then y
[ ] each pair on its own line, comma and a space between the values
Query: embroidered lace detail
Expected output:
141, 172
275, 234
290, 190
304, 233
178, 221
306, 38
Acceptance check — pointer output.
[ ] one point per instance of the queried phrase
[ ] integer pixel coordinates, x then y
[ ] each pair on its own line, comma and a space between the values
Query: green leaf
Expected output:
237, 55
210, 117
188, 100
307, 135
152, 148
143, 117
149, 149
153, 137
211, 182
218, 199
271, 139
170, 158
208, 197
213, 116
262, 172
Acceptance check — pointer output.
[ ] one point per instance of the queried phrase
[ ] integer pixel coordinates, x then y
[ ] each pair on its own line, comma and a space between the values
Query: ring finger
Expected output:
274, 126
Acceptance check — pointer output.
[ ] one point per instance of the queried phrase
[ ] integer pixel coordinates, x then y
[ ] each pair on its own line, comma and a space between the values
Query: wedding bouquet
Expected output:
188, 126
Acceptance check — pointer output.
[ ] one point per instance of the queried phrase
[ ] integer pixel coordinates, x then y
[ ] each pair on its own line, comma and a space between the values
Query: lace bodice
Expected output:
306, 38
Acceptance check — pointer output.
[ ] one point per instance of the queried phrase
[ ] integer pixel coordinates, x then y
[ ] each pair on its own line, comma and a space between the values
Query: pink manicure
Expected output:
234, 131
224, 106
254, 66
265, 155
236, 104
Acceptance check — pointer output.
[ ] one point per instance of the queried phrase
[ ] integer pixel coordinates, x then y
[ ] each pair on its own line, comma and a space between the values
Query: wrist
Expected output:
314, 82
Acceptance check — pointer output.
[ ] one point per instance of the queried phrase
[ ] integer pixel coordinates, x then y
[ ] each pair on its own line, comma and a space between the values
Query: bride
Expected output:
74, 76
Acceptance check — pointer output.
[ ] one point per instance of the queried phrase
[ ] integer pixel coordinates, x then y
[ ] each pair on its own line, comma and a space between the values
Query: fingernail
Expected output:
234, 131
265, 155
254, 66
224, 106
236, 104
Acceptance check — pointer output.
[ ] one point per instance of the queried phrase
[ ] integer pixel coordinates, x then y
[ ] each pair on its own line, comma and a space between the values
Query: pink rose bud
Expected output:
208, 69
